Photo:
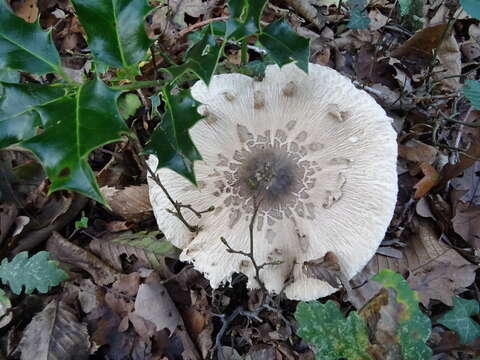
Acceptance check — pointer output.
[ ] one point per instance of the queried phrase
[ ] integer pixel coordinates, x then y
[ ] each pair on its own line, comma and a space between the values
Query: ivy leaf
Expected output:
284, 44
414, 327
332, 335
472, 7
17, 117
358, 17
170, 141
37, 272
73, 127
472, 92
459, 319
24, 46
244, 18
201, 59
115, 29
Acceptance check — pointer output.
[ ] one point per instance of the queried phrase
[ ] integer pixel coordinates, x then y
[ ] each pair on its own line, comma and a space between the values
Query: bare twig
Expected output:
200, 24
177, 205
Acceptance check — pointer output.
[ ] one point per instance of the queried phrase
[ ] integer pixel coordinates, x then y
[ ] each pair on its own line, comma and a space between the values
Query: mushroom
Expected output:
318, 153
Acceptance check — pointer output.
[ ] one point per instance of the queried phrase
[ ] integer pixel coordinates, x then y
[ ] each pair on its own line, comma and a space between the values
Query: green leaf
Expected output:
459, 319
82, 223
405, 6
170, 141
73, 127
332, 335
115, 29
414, 326
25, 46
37, 272
285, 45
244, 18
18, 120
128, 104
472, 7
472, 92
201, 59
146, 249
9, 75
358, 16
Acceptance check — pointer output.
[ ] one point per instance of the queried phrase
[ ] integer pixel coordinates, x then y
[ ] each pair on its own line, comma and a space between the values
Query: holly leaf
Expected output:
472, 7
37, 272
170, 141
471, 91
244, 18
414, 327
332, 335
201, 59
9, 75
115, 29
73, 127
24, 46
284, 45
18, 119
459, 319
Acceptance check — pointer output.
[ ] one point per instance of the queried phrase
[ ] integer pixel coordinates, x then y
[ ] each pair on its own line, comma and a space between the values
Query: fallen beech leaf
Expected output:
55, 333
326, 268
26, 9
131, 203
420, 256
417, 151
451, 63
450, 171
466, 223
429, 181
421, 45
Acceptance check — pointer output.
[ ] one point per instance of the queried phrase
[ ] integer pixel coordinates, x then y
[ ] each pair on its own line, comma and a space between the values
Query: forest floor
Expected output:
415, 66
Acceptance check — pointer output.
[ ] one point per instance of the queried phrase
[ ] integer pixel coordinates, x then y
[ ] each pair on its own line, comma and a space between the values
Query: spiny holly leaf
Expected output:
472, 7
244, 18
37, 272
358, 17
284, 44
202, 58
17, 117
25, 46
459, 319
414, 327
73, 127
115, 29
332, 335
472, 92
170, 141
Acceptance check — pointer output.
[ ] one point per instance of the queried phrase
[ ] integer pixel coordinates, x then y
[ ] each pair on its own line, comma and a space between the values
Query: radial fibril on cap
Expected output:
321, 155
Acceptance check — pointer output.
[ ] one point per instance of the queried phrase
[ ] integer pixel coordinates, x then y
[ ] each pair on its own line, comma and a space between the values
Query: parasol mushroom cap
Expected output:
319, 153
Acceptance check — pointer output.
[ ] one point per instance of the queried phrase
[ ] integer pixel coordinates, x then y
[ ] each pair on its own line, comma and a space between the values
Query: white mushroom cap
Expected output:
321, 153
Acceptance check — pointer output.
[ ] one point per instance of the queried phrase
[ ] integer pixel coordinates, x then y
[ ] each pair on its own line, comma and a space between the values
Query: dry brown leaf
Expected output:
421, 45
422, 252
55, 333
450, 171
131, 203
429, 181
26, 9
140, 249
451, 63
466, 223
417, 151
65, 251
154, 304
326, 268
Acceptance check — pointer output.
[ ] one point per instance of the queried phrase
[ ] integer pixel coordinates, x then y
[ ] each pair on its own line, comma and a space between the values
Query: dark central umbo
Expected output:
270, 176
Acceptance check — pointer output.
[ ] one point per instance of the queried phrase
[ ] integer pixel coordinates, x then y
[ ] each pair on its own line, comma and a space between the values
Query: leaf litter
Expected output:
128, 296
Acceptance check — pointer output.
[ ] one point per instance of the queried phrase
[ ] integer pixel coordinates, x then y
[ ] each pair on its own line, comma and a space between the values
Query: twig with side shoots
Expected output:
178, 206
250, 253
